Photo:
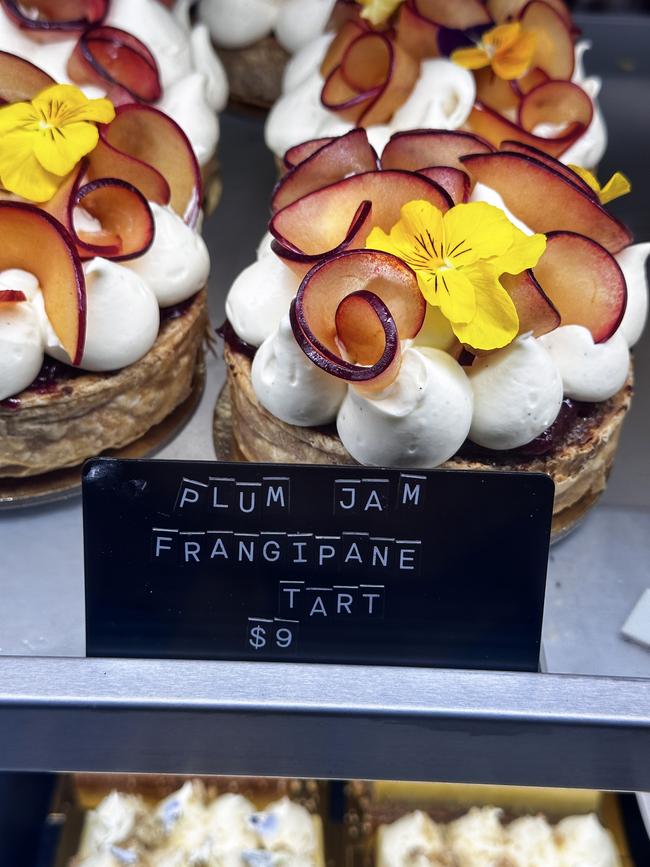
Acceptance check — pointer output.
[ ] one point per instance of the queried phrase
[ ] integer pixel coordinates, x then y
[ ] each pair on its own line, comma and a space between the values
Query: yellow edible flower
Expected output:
458, 258
507, 48
378, 11
617, 185
43, 140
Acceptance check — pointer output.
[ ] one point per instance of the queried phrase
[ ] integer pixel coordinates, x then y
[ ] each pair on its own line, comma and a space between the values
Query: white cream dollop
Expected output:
260, 298
177, 264
420, 420
477, 838
415, 840
583, 842
442, 98
228, 819
122, 318
517, 394
590, 371
633, 265
238, 23
529, 842
186, 102
285, 827
114, 821
300, 21
290, 386
206, 61
21, 335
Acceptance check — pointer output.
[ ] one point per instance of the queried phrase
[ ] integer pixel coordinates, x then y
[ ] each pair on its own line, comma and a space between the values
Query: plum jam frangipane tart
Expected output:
98, 219
448, 302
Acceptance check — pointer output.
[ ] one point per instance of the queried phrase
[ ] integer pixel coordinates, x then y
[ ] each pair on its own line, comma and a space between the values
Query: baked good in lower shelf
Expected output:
481, 839
450, 305
195, 826
395, 824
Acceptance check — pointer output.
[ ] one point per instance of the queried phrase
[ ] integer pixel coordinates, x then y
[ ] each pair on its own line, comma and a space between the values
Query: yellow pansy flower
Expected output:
617, 185
507, 48
43, 140
458, 258
378, 11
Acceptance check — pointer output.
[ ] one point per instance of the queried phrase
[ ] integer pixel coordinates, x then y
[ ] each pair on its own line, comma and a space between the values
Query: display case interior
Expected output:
355, 823
584, 721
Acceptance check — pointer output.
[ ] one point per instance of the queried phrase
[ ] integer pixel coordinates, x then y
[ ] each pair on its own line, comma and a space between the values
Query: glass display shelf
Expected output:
586, 723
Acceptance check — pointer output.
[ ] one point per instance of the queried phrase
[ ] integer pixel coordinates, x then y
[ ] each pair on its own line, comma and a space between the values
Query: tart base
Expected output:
92, 412
255, 72
579, 467
62, 484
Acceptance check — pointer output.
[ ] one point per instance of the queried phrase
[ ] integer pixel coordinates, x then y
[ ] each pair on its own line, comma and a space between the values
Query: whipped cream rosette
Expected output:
505, 70
97, 202
444, 299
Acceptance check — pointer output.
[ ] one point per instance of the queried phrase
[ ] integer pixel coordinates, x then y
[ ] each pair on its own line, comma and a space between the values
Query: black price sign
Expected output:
319, 564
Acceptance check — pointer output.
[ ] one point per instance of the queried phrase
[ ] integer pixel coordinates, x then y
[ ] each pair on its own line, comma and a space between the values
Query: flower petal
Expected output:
470, 58
20, 171
455, 295
65, 103
416, 239
59, 150
524, 252
502, 36
475, 231
19, 115
515, 60
496, 323
378, 11
436, 331
617, 185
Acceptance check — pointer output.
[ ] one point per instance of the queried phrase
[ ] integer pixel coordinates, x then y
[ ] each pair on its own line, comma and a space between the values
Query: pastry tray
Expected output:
75, 794
373, 804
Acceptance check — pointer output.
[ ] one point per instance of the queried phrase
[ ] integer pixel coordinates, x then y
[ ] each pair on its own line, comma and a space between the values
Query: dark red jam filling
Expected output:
571, 425
53, 375
230, 336
175, 312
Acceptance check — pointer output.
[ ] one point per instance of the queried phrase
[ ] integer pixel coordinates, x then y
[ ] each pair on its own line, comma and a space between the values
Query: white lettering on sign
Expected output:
190, 493
270, 495
272, 633
348, 601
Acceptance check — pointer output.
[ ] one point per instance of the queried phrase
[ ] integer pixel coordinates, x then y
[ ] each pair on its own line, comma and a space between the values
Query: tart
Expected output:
503, 69
255, 40
198, 825
103, 308
381, 324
